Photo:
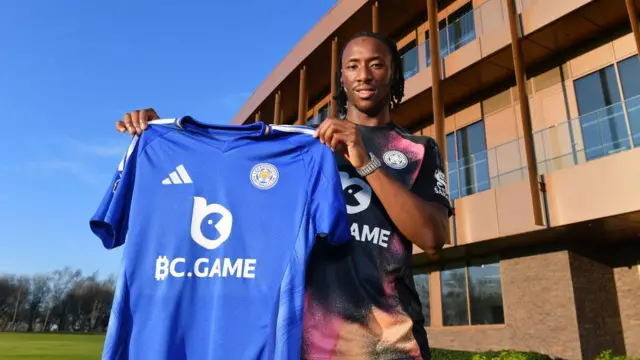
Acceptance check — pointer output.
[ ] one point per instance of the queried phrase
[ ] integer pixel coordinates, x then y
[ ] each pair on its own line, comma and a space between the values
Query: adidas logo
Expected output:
180, 176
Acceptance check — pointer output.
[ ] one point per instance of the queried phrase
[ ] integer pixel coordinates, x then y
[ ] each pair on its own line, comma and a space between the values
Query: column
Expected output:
436, 92
435, 298
276, 109
302, 97
374, 16
633, 17
333, 108
521, 83
257, 117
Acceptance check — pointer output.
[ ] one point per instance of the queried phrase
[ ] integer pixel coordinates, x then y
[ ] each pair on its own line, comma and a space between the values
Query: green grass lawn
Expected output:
50, 346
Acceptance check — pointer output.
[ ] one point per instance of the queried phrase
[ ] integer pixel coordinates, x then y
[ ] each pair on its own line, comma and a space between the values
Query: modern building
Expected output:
543, 154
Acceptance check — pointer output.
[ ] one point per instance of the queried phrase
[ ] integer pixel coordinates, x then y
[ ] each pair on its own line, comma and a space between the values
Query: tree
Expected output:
8, 295
20, 299
64, 300
39, 291
62, 282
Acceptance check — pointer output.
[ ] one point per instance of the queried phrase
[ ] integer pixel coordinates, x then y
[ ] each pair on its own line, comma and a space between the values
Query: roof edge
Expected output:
327, 25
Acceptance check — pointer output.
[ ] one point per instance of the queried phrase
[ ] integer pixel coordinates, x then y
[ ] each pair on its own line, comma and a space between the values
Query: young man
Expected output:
361, 301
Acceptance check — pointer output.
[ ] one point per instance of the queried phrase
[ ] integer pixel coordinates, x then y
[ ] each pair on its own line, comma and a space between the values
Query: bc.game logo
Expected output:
357, 196
357, 193
214, 219
211, 226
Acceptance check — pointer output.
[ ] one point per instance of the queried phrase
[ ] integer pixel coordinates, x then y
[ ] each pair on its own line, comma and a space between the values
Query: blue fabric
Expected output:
217, 222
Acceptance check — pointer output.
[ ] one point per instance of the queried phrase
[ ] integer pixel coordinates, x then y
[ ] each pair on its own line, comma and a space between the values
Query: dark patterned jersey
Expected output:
361, 302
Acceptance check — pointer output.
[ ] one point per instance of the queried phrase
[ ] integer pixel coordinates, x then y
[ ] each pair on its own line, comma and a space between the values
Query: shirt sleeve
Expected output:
327, 204
431, 182
110, 221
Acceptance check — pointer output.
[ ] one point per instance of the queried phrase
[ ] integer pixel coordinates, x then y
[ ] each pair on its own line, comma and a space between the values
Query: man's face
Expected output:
366, 73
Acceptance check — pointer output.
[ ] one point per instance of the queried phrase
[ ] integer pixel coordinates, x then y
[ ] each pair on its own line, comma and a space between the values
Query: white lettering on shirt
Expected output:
205, 268
375, 235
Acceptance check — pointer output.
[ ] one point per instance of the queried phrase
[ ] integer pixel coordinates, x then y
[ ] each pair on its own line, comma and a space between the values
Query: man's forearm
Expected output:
424, 224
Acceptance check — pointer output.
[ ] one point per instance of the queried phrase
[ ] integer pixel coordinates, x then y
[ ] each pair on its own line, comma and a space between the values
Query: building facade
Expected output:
537, 106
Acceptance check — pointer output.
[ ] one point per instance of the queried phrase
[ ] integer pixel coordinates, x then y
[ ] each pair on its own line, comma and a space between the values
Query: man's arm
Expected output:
424, 223
421, 214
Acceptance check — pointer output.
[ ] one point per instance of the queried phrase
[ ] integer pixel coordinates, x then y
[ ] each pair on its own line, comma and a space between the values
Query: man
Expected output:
361, 301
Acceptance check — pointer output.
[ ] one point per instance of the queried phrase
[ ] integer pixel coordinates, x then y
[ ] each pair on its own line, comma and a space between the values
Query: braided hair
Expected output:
396, 90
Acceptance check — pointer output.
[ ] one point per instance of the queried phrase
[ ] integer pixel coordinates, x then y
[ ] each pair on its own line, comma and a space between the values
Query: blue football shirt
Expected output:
217, 222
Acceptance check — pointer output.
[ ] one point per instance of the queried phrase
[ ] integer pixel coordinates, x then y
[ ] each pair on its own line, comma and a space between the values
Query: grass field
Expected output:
50, 346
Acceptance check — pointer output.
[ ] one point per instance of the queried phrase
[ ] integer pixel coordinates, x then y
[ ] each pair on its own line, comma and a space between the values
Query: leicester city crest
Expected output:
264, 176
395, 159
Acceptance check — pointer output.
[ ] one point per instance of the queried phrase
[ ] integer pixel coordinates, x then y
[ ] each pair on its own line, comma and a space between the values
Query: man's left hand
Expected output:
343, 136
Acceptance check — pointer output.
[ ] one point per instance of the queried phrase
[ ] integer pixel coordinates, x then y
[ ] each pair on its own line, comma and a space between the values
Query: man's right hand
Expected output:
137, 121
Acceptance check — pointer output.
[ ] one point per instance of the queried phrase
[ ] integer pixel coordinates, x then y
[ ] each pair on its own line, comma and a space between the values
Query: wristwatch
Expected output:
372, 166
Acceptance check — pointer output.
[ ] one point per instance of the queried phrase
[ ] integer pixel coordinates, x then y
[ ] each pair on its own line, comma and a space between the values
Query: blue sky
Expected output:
70, 68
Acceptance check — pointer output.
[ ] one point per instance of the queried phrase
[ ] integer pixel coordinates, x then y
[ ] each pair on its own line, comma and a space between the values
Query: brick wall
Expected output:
596, 304
627, 275
570, 304
628, 286
539, 311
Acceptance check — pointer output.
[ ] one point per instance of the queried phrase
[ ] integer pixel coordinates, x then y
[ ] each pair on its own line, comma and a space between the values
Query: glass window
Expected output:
604, 129
427, 49
444, 41
422, 287
485, 293
409, 55
444, 44
452, 166
323, 113
454, 296
473, 167
629, 70
461, 29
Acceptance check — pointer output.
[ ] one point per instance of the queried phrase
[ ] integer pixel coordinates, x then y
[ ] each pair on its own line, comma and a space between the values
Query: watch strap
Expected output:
372, 166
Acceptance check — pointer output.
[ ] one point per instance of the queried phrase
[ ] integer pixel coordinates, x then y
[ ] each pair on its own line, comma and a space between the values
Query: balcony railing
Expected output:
468, 175
461, 32
481, 20
456, 35
468, 27
608, 131
410, 63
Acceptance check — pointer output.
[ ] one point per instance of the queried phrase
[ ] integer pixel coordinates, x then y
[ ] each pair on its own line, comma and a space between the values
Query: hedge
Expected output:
441, 354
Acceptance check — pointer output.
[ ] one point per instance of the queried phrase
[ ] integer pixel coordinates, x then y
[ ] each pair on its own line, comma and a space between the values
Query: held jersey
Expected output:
217, 223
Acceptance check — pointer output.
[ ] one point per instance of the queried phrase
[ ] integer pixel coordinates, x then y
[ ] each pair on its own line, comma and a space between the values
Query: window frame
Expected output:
467, 263
426, 272
623, 102
312, 114
463, 266
485, 261
457, 159
406, 45
444, 29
